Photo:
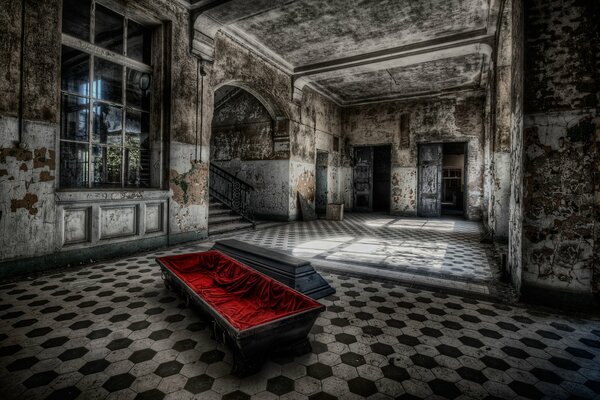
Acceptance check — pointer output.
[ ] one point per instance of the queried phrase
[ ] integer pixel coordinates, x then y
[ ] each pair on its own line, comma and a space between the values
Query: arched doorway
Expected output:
248, 163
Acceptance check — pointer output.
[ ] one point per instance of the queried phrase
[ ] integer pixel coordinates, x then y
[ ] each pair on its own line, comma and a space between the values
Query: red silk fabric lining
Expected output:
241, 295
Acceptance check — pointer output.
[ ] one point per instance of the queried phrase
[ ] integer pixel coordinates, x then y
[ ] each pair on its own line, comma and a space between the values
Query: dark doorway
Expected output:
453, 178
363, 178
321, 182
372, 176
381, 178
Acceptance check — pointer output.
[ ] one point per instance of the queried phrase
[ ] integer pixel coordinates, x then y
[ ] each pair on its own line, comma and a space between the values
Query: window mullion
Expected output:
123, 114
91, 99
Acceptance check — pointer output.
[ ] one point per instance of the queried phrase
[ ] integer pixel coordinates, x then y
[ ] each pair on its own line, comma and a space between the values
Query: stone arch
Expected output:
253, 148
279, 116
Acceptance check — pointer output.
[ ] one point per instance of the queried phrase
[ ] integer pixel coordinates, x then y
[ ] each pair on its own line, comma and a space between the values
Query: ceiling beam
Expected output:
198, 7
445, 93
412, 50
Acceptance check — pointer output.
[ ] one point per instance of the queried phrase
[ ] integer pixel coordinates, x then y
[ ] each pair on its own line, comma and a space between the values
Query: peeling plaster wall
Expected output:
41, 218
242, 144
515, 229
444, 120
500, 133
27, 169
312, 122
318, 125
560, 225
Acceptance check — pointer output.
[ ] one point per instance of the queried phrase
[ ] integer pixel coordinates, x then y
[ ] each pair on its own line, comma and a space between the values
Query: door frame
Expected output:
326, 179
370, 207
372, 147
465, 173
389, 208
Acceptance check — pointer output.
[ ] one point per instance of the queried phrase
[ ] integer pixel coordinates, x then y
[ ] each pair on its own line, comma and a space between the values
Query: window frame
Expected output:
95, 51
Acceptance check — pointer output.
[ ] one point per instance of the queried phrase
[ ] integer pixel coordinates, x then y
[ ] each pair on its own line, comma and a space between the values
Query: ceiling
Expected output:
360, 51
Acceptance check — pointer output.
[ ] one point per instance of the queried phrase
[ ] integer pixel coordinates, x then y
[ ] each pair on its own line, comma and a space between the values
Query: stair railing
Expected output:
231, 191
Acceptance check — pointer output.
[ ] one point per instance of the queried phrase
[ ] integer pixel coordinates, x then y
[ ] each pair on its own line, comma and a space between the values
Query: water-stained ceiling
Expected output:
357, 51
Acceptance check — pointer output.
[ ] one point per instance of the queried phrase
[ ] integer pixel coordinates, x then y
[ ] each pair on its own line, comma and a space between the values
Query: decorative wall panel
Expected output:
76, 225
118, 221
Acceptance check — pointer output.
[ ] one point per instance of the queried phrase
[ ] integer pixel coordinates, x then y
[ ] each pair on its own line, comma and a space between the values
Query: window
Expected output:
106, 95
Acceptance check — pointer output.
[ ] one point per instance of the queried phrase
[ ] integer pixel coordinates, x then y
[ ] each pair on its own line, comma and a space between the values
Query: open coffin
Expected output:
257, 313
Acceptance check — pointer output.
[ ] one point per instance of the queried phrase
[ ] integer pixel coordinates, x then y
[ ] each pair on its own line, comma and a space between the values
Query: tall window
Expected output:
106, 95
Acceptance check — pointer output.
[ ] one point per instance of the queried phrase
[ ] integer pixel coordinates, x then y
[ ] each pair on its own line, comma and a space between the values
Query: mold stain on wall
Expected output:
560, 222
190, 188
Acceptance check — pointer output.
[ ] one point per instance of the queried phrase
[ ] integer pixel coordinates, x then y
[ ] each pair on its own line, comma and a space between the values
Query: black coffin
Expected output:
291, 271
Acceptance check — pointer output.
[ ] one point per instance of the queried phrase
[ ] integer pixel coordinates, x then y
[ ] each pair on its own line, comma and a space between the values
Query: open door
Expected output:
363, 179
454, 166
430, 180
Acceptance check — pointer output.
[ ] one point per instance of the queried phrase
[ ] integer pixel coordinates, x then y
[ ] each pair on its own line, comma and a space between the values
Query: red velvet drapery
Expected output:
241, 295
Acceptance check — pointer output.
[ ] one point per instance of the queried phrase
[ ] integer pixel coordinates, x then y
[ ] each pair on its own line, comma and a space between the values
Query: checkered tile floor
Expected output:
113, 331
447, 248
435, 253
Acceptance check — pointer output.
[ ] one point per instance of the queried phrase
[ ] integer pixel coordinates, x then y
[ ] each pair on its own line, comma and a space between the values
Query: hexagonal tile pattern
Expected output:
91, 367
72, 354
118, 382
212, 356
40, 379
361, 386
199, 384
319, 371
353, 359
139, 356
280, 385
169, 368
123, 334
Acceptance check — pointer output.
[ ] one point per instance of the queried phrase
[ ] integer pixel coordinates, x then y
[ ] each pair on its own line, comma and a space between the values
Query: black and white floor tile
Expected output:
113, 331
444, 248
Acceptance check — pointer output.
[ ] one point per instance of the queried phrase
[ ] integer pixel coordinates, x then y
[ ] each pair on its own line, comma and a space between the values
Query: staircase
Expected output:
222, 219
228, 209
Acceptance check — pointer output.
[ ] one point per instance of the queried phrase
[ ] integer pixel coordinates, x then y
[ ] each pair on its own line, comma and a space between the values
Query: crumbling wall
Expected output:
318, 127
242, 129
28, 159
35, 217
515, 229
561, 145
501, 97
242, 143
310, 122
434, 121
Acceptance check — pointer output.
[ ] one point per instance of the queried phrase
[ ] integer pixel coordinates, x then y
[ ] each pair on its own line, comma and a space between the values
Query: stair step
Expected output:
226, 228
223, 219
218, 211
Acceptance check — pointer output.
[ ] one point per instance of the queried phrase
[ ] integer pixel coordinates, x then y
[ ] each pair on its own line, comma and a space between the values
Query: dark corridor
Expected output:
381, 178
